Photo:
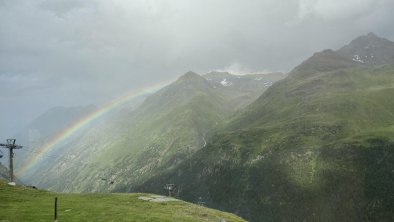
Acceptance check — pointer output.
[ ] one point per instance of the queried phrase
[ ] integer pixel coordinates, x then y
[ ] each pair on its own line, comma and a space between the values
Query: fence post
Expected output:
55, 209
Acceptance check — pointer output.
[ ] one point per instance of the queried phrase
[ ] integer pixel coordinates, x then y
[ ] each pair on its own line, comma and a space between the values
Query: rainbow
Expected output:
74, 127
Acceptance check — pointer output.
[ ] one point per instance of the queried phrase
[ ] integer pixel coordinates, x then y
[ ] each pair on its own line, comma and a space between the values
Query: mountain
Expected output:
50, 125
37, 205
129, 147
324, 61
44, 127
316, 146
369, 49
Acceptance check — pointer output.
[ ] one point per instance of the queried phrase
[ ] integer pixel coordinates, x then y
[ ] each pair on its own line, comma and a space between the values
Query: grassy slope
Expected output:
26, 204
316, 146
167, 128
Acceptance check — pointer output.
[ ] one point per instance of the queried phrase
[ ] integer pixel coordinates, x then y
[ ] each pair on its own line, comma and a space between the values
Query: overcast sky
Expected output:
80, 52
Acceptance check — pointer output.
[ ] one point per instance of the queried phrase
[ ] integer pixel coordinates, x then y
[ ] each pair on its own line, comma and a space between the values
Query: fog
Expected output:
76, 52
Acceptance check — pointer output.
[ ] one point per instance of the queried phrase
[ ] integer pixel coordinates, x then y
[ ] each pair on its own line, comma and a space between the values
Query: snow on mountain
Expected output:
225, 82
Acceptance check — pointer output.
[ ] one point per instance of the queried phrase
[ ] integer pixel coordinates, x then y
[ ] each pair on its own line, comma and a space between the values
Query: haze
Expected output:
75, 52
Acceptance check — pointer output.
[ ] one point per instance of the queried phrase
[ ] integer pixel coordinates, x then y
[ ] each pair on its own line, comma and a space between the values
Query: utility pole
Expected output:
11, 146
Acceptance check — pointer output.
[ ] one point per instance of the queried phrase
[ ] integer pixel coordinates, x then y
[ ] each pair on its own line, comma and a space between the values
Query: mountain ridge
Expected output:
369, 49
166, 128
308, 149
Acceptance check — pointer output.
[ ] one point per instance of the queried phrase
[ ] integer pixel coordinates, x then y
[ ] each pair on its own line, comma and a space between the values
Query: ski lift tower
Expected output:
170, 187
10, 145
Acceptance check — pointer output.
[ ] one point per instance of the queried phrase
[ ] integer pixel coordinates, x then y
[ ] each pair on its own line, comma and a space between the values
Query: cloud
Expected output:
63, 7
239, 69
77, 52
335, 9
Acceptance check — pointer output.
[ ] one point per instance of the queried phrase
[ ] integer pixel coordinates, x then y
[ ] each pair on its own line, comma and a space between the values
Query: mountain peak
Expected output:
190, 73
369, 49
372, 35
326, 60
370, 38
188, 76
188, 82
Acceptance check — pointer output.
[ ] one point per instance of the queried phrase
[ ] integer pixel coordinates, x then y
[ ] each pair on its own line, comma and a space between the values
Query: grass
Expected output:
22, 203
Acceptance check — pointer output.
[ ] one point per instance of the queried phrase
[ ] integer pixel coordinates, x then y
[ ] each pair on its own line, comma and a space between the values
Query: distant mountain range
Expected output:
314, 145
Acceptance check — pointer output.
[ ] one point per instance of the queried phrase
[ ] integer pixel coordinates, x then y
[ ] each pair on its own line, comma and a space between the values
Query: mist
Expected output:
76, 53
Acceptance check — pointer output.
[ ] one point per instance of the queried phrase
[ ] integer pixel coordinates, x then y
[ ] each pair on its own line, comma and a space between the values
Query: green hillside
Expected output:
27, 204
167, 127
316, 146
124, 150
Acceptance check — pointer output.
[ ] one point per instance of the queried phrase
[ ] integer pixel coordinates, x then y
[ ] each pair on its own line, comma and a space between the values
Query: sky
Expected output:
81, 52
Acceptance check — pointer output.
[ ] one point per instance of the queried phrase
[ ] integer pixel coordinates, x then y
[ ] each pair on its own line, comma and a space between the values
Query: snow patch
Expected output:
357, 58
268, 83
224, 82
